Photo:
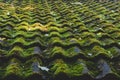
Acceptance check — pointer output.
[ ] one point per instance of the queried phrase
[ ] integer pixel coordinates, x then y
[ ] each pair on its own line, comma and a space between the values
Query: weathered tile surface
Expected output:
59, 40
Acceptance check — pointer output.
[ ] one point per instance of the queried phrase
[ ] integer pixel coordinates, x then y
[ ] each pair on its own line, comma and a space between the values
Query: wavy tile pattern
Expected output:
59, 40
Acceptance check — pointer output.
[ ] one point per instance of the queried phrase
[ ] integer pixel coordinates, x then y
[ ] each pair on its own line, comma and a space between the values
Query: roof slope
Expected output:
59, 40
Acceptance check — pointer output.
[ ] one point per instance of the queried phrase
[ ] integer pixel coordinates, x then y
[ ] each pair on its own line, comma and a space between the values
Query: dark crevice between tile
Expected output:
13, 77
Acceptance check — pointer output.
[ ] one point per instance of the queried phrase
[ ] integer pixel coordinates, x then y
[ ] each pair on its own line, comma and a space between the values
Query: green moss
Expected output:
23, 24
76, 70
70, 69
3, 52
53, 29
82, 28
60, 30
14, 68
24, 27
87, 34
72, 41
58, 50
6, 33
27, 34
73, 51
111, 29
21, 33
12, 24
107, 41
115, 34
99, 34
55, 34
67, 53
24, 16
20, 40
99, 50
89, 41
114, 51
16, 50
102, 17
28, 52
37, 40
63, 68
60, 67
55, 39
93, 71
15, 17
67, 34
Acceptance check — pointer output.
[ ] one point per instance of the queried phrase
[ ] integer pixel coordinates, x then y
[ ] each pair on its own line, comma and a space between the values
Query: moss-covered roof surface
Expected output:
59, 40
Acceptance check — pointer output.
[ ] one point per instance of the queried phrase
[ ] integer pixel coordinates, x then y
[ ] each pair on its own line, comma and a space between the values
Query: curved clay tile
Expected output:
59, 40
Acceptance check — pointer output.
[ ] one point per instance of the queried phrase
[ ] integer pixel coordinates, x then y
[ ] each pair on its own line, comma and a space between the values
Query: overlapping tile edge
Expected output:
59, 40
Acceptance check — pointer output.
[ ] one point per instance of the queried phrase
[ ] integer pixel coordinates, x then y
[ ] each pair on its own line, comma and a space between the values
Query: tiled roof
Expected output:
59, 40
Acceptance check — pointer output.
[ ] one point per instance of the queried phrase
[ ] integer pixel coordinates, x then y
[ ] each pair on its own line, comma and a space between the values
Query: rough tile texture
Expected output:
59, 40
